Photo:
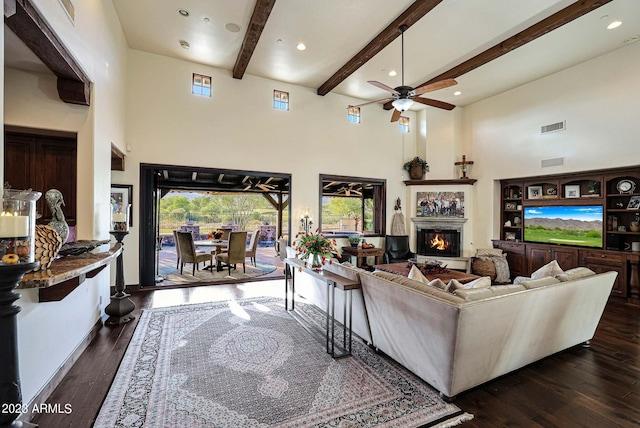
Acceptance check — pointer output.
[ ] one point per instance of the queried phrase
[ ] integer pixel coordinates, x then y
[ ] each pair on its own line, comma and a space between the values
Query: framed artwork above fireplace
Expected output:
440, 204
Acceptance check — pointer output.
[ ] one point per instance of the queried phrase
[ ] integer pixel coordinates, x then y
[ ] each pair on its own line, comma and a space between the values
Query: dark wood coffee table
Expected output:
403, 269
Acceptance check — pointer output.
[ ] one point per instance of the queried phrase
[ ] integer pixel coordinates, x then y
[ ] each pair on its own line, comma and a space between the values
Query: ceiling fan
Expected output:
265, 187
404, 96
348, 190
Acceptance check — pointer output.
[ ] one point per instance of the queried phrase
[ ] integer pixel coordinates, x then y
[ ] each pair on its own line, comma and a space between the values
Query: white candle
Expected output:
119, 218
14, 226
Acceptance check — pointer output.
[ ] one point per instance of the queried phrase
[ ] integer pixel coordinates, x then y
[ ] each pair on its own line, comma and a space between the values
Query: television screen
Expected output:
566, 225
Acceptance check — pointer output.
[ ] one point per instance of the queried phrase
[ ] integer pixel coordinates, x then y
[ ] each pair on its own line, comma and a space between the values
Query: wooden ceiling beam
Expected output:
409, 17
259, 18
30, 26
539, 29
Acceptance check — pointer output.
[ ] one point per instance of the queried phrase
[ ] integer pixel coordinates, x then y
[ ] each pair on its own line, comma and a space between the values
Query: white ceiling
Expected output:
335, 30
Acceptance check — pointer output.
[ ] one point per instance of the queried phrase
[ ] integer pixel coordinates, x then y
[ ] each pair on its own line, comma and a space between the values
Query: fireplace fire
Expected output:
438, 242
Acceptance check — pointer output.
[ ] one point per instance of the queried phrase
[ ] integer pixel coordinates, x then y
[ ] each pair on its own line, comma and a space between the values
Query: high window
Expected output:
352, 205
201, 85
403, 124
280, 100
353, 114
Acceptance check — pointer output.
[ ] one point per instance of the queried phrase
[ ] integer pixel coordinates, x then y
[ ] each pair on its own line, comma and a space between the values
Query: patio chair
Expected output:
175, 239
187, 251
253, 246
235, 254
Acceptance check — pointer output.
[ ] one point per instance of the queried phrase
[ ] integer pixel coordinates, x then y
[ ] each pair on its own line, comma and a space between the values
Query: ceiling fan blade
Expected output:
247, 188
396, 115
373, 102
263, 187
433, 103
383, 86
434, 86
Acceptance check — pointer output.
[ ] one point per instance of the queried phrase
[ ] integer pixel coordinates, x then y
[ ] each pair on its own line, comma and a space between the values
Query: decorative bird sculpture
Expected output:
55, 201
47, 245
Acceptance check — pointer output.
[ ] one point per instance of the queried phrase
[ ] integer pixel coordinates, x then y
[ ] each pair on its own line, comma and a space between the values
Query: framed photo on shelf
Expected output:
509, 236
572, 191
534, 192
121, 196
634, 203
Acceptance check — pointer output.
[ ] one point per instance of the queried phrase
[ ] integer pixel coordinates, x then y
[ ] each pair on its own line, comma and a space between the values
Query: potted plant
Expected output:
354, 240
416, 168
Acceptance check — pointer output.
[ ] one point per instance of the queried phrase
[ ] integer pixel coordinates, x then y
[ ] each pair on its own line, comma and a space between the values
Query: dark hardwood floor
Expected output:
594, 387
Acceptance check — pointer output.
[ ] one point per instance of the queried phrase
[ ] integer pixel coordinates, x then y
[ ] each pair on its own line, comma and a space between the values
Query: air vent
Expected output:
552, 162
554, 127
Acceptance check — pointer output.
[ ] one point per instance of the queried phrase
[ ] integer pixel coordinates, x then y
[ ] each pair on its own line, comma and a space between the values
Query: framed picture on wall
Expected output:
121, 196
440, 204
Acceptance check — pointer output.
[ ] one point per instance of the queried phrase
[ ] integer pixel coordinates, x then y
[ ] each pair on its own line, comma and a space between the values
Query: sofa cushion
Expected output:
474, 294
482, 282
550, 269
575, 273
540, 282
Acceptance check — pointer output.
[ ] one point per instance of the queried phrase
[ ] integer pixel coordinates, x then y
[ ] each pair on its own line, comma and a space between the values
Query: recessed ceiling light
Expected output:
206, 20
279, 41
184, 44
301, 46
183, 12
393, 73
457, 93
234, 28
614, 24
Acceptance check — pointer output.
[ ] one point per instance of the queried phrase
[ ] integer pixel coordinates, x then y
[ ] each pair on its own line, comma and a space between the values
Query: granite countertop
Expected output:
69, 267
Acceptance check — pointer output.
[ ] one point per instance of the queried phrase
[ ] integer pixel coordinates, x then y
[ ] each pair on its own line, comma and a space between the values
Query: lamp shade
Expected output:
402, 104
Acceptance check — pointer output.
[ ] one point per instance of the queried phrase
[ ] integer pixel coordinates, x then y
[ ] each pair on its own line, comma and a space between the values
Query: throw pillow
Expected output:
416, 275
488, 252
482, 282
550, 269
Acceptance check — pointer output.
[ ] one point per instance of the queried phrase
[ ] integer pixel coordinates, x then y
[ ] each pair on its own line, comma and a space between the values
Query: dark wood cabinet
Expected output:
605, 261
42, 162
540, 255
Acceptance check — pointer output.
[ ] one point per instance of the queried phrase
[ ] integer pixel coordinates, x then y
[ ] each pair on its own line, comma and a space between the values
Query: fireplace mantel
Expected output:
439, 222
468, 181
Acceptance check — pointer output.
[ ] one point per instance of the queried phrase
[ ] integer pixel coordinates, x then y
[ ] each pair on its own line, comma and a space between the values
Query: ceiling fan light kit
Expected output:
403, 97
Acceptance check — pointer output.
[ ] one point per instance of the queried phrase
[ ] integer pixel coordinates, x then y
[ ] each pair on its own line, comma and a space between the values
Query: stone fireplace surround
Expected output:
440, 223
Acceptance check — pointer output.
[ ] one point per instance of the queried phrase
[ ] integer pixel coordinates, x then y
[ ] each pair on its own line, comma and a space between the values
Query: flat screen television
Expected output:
580, 225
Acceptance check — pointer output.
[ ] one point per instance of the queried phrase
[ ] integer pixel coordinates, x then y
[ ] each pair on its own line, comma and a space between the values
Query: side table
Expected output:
361, 255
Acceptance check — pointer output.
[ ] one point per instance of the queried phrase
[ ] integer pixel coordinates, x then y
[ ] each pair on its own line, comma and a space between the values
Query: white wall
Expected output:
237, 128
599, 99
49, 332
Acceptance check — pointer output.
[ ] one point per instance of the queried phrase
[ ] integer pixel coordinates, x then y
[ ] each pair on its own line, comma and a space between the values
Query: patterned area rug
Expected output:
170, 274
247, 363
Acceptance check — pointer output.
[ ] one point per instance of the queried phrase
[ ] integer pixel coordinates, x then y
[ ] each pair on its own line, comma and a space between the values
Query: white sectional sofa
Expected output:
456, 342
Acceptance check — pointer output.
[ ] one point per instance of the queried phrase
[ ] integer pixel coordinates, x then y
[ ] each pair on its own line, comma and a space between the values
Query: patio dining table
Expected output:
219, 244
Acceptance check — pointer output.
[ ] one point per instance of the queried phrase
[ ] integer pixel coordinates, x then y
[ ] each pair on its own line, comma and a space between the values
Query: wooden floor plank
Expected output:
596, 387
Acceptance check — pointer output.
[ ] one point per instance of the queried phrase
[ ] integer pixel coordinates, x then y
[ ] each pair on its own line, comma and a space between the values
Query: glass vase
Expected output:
17, 226
314, 261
